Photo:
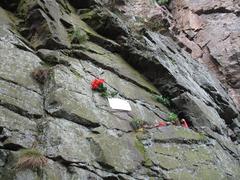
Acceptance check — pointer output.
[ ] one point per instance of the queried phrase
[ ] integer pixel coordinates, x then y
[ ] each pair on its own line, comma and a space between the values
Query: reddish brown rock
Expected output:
210, 29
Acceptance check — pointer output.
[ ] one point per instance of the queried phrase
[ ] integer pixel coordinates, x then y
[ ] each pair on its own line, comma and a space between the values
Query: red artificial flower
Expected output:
96, 83
184, 123
161, 124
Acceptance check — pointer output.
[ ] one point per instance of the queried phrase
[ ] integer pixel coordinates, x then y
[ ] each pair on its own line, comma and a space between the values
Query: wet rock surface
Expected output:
74, 127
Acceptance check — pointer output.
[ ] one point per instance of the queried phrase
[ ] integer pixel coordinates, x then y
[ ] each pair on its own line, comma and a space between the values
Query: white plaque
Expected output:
119, 104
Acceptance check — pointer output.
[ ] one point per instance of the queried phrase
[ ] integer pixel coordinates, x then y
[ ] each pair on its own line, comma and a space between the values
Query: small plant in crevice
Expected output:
40, 75
31, 159
171, 117
162, 2
79, 36
98, 85
137, 124
162, 100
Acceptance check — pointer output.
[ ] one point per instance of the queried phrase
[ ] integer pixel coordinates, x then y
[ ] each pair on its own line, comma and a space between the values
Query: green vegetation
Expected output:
162, 100
137, 123
79, 36
107, 94
163, 2
172, 117
31, 159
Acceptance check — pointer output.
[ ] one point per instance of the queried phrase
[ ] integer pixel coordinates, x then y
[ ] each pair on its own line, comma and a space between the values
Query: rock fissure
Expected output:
220, 10
82, 57
17, 84
19, 110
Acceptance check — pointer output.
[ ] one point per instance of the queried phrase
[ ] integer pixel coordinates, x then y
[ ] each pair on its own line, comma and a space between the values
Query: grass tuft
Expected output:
40, 74
137, 123
31, 159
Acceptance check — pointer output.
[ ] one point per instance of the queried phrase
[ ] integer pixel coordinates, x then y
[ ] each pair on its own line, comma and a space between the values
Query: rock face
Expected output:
210, 30
50, 53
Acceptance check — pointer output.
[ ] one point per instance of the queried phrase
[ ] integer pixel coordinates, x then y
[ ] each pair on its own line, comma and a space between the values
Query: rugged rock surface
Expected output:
210, 30
74, 127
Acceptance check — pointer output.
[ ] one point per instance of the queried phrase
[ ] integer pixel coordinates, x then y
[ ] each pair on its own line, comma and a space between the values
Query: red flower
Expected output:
184, 123
96, 83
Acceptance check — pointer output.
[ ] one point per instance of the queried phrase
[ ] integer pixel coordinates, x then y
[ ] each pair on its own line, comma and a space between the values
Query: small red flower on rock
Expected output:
96, 83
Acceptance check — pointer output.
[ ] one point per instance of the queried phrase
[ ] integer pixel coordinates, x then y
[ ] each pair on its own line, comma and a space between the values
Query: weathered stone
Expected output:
218, 37
17, 66
224, 141
118, 153
85, 4
55, 57
71, 105
75, 128
106, 23
170, 72
114, 63
122, 86
80, 109
58, 135
182, 175
44, 31
53, 170
199, 113
176, 134
166, 163
69, 79
20, 99
191, 158
15, 130
3, 159
209, 172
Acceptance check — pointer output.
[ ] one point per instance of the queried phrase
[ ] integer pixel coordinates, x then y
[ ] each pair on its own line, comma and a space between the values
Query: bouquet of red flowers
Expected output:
98, 85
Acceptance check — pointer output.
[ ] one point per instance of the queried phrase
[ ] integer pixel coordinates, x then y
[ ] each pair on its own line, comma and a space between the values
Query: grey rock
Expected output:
174, 72
199, 113
17, 67
57, 139
117, 153
20, 99
75, 128
16, 131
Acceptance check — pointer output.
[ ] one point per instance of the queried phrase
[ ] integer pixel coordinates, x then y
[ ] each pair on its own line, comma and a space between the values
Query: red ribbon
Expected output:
184, 123
161, 124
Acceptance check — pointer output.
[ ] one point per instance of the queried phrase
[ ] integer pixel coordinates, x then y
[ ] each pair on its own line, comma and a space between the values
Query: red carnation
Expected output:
96, 83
